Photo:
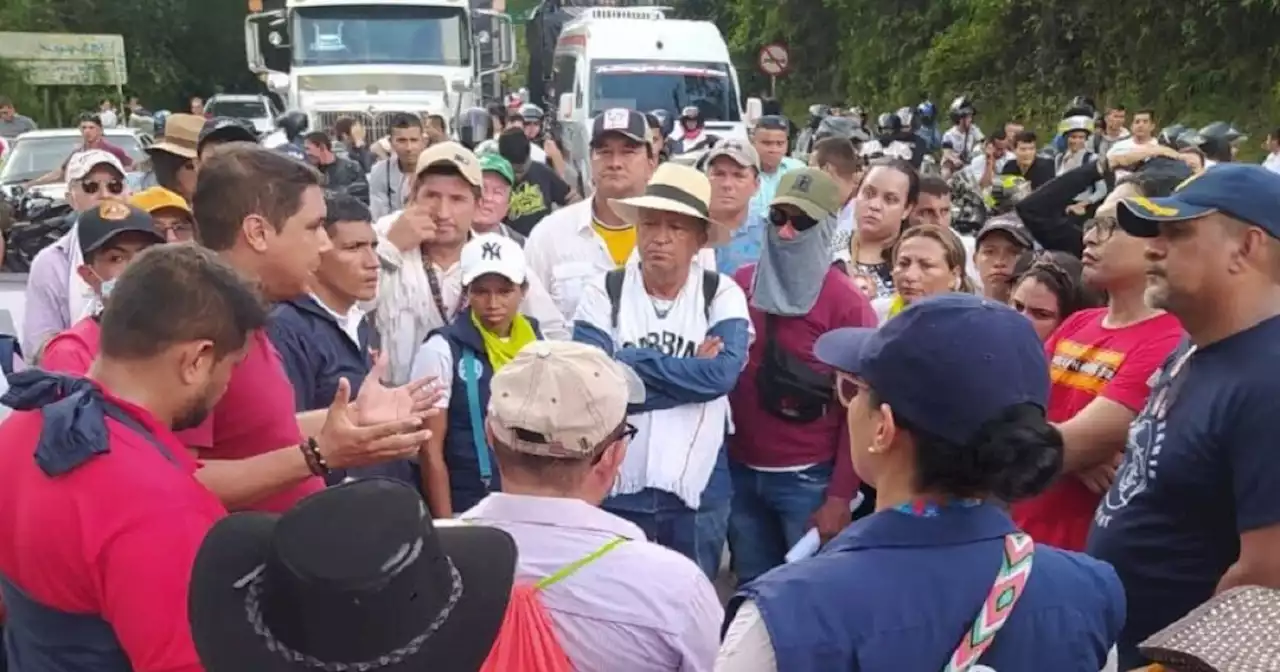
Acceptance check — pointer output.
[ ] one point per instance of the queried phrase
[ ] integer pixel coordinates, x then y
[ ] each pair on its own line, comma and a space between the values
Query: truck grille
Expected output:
376, 124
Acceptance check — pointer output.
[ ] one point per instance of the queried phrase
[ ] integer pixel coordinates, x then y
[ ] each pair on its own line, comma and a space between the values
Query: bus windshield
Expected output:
365, 34
665, 86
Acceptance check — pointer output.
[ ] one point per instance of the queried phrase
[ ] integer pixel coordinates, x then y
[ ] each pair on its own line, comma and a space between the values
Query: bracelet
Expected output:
315, 461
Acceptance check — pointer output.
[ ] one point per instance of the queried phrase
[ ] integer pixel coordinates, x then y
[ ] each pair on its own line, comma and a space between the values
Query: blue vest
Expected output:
43, 639
466, 488
897, 592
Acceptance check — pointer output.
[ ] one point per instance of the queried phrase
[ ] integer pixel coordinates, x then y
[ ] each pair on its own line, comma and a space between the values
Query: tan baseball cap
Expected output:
561, 399
455, 155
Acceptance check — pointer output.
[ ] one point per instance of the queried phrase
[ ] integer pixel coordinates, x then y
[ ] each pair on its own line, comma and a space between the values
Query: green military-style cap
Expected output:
813, 191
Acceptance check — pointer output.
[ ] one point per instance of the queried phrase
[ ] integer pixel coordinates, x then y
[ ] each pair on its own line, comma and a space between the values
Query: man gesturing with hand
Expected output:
264, 214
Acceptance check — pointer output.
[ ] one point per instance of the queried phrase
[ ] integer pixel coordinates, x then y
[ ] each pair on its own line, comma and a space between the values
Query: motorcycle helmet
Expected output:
1006, 192
1169, 135
1223, 130
927, 112
816, 114
473, 126
835, 127
960, 108
159, 119
691, 115
294, 123
1075, 124
665, 122
531, 113
907, 116
1081, 106
888, 124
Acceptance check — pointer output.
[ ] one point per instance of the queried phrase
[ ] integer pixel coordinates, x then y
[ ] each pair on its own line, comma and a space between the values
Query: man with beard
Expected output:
1193, 511
93, 586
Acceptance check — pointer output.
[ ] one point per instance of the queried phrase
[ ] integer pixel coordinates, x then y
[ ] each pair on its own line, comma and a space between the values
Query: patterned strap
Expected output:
1015, 569
572, 568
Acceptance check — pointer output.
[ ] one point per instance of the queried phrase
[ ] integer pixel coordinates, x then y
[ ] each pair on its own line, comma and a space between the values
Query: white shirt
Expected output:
1128, 145
747, 646
564, 252
1272, 162
406, 312
674, 449
349, 323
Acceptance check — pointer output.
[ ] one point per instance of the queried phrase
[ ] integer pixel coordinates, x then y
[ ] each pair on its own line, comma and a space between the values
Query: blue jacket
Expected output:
461, 452
895, 593
316, 354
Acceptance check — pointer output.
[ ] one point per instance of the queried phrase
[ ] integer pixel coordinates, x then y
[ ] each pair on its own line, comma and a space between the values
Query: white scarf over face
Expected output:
81, 299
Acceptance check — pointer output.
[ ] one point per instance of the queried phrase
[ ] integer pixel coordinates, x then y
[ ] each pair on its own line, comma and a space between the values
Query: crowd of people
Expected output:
268, 422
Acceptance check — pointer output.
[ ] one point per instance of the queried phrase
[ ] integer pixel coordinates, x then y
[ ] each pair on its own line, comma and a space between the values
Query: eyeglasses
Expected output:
779, 217
179, 231
1104, 227
114, 187
846, 388
627, 432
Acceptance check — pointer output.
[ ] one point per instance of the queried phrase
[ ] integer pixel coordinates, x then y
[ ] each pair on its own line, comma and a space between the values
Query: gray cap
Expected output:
740, 151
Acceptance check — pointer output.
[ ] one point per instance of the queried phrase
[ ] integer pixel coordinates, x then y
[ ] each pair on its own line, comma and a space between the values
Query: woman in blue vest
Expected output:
945, 407
457, 464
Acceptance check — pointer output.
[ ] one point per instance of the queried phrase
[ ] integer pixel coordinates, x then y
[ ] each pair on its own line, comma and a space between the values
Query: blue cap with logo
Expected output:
1246, 192
949, 364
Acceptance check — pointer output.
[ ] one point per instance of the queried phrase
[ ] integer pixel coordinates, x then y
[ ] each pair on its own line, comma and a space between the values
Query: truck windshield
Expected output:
365, 34
665, 86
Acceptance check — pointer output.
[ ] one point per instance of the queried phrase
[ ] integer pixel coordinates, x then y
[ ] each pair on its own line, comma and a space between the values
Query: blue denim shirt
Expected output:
769, 183
744, 246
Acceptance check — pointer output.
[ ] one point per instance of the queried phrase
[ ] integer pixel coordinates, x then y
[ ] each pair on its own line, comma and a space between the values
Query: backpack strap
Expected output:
471, 380
710, 285
613, 287
1011, 580
573, 567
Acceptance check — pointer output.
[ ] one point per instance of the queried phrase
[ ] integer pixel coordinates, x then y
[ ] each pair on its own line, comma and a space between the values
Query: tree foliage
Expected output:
174, 48
1194, 60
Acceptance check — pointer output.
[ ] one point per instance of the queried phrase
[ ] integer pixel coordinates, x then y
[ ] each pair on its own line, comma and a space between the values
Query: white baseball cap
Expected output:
82, 163
493, 253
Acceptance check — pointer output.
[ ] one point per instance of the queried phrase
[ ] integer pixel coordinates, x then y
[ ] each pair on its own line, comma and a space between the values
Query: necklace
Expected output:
659, 310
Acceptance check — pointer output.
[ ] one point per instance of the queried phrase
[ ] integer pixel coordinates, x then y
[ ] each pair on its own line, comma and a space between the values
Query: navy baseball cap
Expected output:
226, 129
1246, 192
949, 364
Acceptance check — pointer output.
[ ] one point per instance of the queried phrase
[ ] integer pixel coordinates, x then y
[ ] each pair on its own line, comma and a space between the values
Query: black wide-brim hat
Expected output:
356, 577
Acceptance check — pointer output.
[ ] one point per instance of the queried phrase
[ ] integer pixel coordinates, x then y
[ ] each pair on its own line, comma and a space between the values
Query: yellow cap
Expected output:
158, 198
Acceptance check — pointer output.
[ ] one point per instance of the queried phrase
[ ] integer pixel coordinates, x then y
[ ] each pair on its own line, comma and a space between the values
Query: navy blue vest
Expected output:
897, 592
466, 488
42, 639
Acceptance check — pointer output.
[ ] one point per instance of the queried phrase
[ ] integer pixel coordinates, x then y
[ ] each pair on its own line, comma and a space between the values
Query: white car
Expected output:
35, 153
255, 109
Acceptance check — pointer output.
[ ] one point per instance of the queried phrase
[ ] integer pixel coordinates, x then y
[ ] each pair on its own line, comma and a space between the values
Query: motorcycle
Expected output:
34, 223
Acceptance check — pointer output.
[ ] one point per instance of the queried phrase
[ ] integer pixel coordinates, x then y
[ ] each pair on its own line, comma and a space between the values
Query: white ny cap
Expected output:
493, 253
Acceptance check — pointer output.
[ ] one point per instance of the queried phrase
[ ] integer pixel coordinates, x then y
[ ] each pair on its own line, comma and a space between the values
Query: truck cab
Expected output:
635, 57
370, 60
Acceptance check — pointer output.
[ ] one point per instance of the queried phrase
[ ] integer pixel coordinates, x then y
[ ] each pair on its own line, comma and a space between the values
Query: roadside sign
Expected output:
60, 59
774, 60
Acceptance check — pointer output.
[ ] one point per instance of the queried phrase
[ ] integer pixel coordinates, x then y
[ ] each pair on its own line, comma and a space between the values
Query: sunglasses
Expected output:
779, 217
114, 187
846, 388
627, 432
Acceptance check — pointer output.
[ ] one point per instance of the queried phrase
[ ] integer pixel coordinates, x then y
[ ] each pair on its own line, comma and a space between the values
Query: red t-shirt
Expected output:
73, 351
114, 538
1088, 360
256, 416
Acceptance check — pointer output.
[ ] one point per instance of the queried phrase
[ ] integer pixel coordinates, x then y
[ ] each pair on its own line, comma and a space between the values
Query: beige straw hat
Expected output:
679, 189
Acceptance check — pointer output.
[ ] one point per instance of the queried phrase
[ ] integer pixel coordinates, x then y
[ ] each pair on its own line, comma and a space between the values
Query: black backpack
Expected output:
613, 287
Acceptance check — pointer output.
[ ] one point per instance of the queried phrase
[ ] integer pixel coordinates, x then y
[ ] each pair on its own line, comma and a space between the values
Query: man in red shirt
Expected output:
1101, 364
91, 133
264, 213
99, 508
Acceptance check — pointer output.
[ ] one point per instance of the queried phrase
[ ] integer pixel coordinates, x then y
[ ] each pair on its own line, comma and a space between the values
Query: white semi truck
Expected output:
371, 59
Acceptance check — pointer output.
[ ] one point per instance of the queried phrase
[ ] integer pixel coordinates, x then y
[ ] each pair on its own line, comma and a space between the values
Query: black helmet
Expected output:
294, 123
665, 122
1222, 130
473, 126
835, 127
962, 107
1081, 106
889, 123
531, 113
691, 113
1169, 135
